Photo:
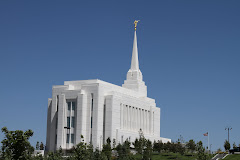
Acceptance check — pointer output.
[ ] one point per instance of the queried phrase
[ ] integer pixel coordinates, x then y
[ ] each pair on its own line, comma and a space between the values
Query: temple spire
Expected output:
134, 79
135, 63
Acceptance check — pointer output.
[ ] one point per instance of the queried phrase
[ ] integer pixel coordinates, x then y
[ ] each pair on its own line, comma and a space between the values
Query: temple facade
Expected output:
97, 110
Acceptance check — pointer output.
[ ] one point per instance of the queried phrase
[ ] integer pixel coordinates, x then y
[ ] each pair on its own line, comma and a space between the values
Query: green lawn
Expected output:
233, 157
170, 156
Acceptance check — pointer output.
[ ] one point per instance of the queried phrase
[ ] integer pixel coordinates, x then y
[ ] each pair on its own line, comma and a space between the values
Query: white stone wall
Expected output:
126, 111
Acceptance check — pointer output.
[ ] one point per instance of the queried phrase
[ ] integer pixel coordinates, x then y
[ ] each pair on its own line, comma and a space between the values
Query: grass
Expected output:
233, 157
170, 156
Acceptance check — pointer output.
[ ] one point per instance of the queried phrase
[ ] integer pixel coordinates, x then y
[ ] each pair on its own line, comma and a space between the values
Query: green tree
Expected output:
58, 155
90, 151
41, 146
107, 150
167, 147
147, 153
201, 155
140, 143
81, 152
234, 145
38, 157
191, 145
114, 143
227, 145
219, 150
179, 148
98, 155
123, 151
37, 146
16, 145
180, 139
158, 146
173, 147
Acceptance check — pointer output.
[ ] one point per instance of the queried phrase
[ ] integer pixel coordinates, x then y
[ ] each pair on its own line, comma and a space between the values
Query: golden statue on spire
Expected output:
135, 24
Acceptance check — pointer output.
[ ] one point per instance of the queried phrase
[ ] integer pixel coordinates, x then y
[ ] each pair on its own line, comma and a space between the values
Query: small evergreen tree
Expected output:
37, 146
191, 145
179, 148
107, 150
123, 151
38, 157
114, 143
140, 143
41, 146
234, 145
58, 155
158, 146
219, 150
167, 147
201, 155
147, 153
83, 151
227, 145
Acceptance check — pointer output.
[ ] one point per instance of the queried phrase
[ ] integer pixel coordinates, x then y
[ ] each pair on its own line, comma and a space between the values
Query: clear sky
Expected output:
189, 55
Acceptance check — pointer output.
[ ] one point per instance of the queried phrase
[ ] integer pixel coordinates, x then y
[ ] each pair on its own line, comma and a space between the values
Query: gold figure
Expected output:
135, 23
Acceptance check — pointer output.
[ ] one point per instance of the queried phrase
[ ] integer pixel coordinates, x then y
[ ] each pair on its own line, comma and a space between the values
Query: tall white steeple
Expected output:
134, 76
135, 64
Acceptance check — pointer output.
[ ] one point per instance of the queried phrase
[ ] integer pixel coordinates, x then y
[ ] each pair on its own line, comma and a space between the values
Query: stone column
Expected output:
140, 119
98, 105
142, 124
122, 116
151, 120
61, 121
128, 118
52, 144
48, 124
147, 125
144, 120
81, 117
125, 116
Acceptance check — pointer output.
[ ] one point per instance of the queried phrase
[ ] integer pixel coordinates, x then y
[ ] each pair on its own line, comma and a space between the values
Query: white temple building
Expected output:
97, 110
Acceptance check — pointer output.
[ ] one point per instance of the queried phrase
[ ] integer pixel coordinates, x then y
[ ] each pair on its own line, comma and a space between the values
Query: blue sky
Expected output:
189, 55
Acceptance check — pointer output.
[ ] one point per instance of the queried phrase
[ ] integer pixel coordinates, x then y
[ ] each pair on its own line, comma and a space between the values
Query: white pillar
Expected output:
137, 109
135, 118
147, 121
139, 122
81, 117
121, 115
125, 117
123, 109
153, 123
142, 119
150, 123
128, 117
61, 120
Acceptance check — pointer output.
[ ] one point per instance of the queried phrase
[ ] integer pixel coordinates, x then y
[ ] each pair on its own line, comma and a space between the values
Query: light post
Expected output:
228, 129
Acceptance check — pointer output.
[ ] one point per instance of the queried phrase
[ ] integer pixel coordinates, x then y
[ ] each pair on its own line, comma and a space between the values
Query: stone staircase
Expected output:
219, 156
